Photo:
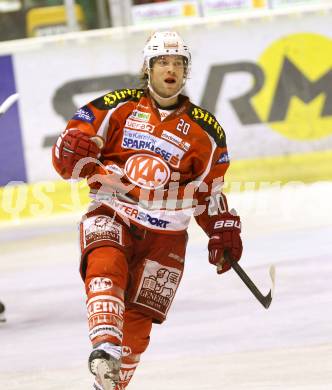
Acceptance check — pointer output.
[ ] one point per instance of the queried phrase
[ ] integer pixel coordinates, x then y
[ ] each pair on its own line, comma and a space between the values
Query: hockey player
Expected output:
2, 312
152, 159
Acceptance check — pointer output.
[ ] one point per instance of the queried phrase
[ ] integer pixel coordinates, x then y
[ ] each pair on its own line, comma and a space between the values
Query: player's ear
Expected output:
144, 70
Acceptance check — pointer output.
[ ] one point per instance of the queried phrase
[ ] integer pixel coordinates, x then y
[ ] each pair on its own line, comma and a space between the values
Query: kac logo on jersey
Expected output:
146, 171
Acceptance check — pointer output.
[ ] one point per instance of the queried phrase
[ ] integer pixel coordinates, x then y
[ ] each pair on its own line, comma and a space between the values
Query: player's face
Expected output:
167, 75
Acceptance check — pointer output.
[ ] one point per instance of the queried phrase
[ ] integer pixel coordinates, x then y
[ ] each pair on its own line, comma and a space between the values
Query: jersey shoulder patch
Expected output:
208, 123
113, 98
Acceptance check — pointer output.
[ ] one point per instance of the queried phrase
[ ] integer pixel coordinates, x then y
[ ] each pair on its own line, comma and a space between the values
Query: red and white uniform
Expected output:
161, 161
156, 169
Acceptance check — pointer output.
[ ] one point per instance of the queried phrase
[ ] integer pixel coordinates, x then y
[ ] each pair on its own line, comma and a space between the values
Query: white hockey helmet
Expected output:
163, 43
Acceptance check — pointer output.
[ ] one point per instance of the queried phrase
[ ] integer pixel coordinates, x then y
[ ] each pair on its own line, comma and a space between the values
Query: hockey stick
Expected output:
264, 300
4, 107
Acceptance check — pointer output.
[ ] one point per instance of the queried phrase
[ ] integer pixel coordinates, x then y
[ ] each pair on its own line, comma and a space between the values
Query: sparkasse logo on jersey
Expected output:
137, 140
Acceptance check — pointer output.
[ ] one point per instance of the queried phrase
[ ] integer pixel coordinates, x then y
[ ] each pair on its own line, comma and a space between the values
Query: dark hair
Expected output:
143, 78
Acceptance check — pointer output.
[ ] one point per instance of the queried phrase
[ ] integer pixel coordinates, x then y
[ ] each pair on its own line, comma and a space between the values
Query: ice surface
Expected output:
217, 335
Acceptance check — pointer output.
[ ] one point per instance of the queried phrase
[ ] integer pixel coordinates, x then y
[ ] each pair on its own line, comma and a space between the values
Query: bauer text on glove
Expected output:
224, 232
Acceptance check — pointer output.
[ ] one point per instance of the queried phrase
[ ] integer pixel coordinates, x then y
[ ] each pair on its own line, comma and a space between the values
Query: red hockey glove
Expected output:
224, 232
71, 146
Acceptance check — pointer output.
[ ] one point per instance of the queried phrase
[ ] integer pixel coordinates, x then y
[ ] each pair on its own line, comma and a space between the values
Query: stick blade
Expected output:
8, 103
273, 278
268, 298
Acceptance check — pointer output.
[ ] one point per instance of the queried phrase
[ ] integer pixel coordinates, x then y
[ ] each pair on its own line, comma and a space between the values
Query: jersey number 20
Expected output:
183, 127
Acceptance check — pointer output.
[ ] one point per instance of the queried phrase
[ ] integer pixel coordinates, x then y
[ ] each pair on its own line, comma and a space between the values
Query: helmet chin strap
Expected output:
154, 93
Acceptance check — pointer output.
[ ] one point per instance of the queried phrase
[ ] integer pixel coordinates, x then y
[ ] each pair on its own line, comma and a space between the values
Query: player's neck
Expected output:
165, 103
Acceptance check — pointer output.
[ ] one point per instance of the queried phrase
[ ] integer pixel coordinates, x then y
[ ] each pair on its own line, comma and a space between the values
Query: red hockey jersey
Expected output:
156, 172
